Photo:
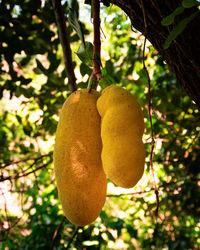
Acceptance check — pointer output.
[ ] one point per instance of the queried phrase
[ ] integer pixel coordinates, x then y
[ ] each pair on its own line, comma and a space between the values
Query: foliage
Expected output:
33, 87
179, 28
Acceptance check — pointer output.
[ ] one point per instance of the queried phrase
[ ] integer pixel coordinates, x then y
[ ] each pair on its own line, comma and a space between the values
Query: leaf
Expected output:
27, 129
189, 3
73, 4
76, 24
24, 61
177, 30
109, 67
82, 85
106, 81
131, 231
54, 62
40, 66
98, 59
25, 81
170, 19
19, 119
85, 53
84, 69
110, 236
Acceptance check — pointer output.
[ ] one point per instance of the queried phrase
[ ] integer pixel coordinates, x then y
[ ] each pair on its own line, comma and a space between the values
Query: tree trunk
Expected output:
183, 55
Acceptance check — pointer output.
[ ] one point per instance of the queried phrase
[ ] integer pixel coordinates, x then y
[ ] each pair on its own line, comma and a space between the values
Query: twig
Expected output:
25, 160
64, 40
56, 233
149, 111
97, 43
17, 176
72, 238
133, 193
166, 184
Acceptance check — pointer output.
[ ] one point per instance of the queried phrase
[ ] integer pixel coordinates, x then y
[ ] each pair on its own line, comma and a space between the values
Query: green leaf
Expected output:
170, 19
110, 236
73, 4
189, 3
82, 85
131, 231
77, 26
97, 59
25, 81
19, 118
177, 30
27, 129
109, 67
84, 69
40, 66
85, 53
106, 81
54, 62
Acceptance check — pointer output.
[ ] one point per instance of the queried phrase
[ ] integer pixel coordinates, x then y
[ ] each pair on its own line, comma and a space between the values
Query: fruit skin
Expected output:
81, 181
122, 127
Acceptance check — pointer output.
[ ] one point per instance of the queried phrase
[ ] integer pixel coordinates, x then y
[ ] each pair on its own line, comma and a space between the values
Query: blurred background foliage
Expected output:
33, 87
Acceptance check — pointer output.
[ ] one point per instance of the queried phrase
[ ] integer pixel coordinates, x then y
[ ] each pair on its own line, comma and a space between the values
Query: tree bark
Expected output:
183, 55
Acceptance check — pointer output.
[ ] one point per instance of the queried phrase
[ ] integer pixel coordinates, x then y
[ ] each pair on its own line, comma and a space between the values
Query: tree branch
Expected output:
56, 232
19, 175
25, 160
133, 193
72, 238
64, 40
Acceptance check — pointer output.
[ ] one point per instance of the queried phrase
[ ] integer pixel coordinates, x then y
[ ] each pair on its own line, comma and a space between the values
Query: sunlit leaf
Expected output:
77, 26
85, 53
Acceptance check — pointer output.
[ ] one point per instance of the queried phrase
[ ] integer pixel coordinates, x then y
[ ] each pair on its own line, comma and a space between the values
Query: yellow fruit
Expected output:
122, 127
81, 181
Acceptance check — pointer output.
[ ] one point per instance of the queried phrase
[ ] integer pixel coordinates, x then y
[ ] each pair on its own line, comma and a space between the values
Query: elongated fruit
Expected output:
122, 127
81, 181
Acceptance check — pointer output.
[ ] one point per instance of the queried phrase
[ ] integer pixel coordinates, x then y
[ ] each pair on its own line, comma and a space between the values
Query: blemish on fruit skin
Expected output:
79, 169
76, 97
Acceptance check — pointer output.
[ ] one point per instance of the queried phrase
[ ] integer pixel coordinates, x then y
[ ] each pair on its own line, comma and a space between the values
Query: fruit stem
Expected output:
97, 42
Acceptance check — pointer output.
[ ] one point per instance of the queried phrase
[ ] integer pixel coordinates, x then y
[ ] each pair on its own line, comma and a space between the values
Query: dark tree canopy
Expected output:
183, 55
